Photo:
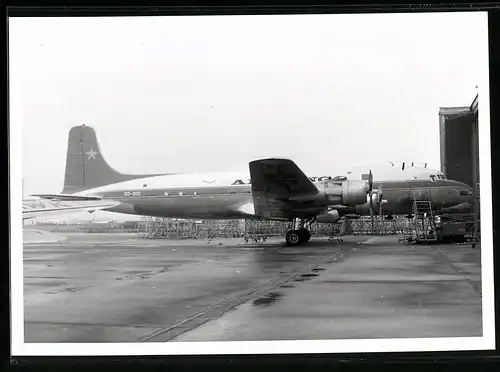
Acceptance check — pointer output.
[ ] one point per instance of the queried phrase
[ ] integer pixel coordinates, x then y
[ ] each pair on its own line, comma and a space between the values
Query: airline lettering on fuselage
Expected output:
320, 179
312, 179
241, 182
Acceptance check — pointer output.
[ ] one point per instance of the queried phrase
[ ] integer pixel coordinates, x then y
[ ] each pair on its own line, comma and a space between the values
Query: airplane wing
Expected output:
68, 197
277, 184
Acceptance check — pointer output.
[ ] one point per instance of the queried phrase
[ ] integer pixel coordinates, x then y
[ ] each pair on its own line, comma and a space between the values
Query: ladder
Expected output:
424, 226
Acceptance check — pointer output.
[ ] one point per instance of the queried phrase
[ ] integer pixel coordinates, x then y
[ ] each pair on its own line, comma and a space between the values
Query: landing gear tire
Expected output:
293, 237
305, 235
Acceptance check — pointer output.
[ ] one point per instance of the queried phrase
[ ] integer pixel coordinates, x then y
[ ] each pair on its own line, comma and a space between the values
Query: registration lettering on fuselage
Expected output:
133, 193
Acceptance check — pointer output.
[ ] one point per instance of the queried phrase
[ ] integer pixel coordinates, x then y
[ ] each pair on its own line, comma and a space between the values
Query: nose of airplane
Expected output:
465, 190
458, 196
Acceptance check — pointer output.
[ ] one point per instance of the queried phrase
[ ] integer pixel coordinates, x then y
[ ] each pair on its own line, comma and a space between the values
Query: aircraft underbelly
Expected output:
221, 207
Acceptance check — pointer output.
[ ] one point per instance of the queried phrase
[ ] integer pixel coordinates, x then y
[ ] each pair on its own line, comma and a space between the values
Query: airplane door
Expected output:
419, 193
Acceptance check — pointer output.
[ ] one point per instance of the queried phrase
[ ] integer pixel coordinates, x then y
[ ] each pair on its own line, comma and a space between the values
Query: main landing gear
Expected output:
299, 233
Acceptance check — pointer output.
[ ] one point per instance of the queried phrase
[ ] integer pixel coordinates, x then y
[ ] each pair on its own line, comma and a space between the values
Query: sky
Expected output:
210, 94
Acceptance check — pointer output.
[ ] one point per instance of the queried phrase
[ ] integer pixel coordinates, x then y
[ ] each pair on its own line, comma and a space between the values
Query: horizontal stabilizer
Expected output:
37, 212
68, 197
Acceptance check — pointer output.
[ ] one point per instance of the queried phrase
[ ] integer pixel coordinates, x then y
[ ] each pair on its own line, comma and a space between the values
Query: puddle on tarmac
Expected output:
309, 275
267, 299
71, 289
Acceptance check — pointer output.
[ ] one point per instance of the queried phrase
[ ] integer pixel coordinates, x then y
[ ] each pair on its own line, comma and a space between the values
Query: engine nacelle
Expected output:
328, 217
354, 192
346, 192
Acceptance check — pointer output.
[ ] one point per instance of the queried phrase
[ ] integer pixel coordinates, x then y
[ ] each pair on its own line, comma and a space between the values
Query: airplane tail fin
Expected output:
86, 167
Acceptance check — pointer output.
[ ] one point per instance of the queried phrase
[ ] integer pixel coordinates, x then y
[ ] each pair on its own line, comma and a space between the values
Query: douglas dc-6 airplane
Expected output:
274, 189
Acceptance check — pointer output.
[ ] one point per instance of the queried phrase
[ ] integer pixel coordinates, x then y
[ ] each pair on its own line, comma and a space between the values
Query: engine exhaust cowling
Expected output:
354, 192
349, 193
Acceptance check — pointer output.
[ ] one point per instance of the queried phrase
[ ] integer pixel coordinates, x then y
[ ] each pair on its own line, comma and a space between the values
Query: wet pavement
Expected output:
116, 288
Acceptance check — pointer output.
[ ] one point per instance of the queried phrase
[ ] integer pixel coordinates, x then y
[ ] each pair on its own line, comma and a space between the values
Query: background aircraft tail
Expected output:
86, 168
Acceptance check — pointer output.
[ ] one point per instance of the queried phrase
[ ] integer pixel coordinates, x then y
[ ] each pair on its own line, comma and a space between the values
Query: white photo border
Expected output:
487, 342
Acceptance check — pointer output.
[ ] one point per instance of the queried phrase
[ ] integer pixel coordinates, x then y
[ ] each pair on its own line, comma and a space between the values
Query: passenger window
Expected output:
433, 178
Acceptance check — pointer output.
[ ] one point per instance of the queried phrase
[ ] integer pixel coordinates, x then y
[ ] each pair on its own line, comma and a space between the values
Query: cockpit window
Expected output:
435, 177
466, 193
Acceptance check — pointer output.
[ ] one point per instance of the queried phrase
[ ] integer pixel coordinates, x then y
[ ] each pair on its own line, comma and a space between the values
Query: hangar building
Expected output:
459, 143
459, 148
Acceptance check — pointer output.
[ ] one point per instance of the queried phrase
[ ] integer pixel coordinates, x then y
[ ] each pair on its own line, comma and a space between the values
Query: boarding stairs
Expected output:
424, 225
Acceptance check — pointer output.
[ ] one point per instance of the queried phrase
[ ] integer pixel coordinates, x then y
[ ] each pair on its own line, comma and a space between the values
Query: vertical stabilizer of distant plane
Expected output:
86, 167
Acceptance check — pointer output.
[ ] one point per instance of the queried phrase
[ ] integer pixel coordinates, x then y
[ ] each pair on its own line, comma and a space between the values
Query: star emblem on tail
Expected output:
92, 153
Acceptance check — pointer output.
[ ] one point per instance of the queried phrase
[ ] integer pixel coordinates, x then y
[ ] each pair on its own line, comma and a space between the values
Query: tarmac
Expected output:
118, 288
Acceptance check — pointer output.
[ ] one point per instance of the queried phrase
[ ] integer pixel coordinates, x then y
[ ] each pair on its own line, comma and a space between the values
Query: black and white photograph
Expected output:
250, 184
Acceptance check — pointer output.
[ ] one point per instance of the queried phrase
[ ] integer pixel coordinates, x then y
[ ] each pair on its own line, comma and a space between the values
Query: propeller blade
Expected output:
370, 180
371, 201
379, 194
372, 212
372, 209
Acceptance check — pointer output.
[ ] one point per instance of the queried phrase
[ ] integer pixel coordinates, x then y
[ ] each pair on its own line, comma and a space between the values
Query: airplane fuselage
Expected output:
229, 196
